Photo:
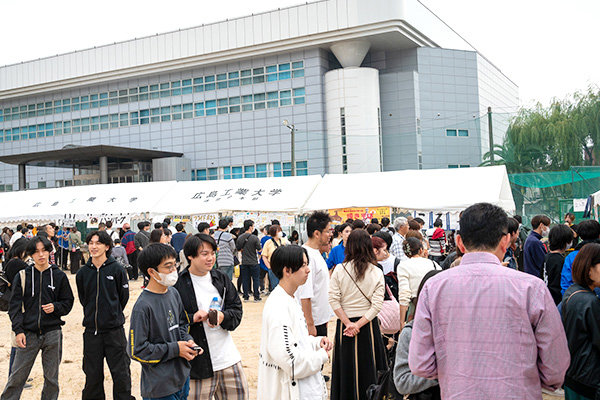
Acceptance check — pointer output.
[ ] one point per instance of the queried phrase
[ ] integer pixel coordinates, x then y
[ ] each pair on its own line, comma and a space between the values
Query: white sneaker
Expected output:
556, 393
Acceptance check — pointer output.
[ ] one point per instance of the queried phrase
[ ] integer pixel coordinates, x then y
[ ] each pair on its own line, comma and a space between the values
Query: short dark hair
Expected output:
419, 220
101, 225
109, 224
273, 229
513, 225
372, 228
413, 225
103, 238
179, 227
482, 226
248, 224
24, 230
194, 243
291, 257
385, 221
438, 223
586, 259
537, 220
158, 225
349, 221
223, 223
317, 221
202, 226
358, 224
412, 246
387, 238
344, 226
164, 225
588, 229
570, 215
374, 221
167, 221
153, 255
560, 236
18, 249
518, 218
32, 245
141, 225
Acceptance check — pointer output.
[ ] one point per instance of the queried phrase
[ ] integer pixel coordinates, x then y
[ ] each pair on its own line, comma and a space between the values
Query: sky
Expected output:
547, 47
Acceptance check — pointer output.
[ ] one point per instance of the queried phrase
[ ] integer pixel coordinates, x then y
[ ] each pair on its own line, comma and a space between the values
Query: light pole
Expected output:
292, 129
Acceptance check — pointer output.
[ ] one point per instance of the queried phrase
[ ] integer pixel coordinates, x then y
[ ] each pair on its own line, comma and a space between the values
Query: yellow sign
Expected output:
339, 215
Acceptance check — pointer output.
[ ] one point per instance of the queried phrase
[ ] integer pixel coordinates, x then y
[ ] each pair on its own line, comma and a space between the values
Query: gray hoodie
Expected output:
405, 381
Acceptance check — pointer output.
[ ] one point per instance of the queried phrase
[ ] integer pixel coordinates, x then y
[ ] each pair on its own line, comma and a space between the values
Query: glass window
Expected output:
233, 75
285, 75
258, 71
271, 68
143, 89
236, 172
165, 93
299, 92
222, 85
261, 170
234, 100
298, 64
285, 102
222, 102
209, 86
198, 80
287, 169
246, 81
234, 83
465, 166
105, 95
272, 95
222, 110
103, 103
209, 78
246, 72
277, 169
247, 99
463, 132
450, 132
221, 77
210, 104
233, 109
185, 90
452, 166
175, 92
226, 172
213, 174
153, 88
164, 85
284, 67
247, 107
186, 82
200, 174
198, 88
258, 79
271, 77
249, 171
175, 84
259, 106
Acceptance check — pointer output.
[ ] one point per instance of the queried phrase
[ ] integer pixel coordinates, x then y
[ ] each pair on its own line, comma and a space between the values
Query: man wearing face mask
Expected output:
534, 250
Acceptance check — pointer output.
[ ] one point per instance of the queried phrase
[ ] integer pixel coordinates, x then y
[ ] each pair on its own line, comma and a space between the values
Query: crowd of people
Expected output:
492, 310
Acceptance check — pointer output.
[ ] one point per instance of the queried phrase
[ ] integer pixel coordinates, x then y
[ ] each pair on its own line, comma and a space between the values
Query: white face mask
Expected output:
169, 279
279, 235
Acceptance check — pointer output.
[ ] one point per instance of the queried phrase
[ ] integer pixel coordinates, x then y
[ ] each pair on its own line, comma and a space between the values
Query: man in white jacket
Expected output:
290, 359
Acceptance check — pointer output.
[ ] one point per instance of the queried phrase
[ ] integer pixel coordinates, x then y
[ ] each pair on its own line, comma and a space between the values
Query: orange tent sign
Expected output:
339, 215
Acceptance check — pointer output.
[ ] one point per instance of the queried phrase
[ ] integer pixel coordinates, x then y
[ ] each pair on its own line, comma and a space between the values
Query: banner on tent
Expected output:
117, 220
211, 219
339, 215
262, 219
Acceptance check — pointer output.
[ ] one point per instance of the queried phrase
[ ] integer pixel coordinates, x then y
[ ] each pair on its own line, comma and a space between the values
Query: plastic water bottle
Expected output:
215, 305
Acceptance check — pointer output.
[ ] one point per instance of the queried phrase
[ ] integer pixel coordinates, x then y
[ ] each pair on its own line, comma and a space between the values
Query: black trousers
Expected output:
75, 260
133, 272
111, 345
322, 329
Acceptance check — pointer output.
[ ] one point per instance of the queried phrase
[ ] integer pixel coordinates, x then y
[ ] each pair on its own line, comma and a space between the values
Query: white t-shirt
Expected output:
388, 264
316, 287
223, 353
113, 234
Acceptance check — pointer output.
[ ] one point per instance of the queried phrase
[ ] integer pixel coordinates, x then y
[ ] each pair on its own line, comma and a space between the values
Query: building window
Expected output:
301, 168
261, 170
450, 132
452, 166
343, 135
41, 184
420, 160
463, 132
213, 174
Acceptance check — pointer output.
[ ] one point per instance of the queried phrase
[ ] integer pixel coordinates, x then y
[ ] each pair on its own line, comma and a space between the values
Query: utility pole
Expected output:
292, 129
491, 134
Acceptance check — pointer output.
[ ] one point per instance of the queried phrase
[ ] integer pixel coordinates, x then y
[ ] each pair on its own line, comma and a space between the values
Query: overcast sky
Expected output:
549, 48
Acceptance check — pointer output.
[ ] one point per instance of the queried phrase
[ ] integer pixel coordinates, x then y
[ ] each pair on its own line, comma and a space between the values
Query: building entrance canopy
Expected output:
288, 194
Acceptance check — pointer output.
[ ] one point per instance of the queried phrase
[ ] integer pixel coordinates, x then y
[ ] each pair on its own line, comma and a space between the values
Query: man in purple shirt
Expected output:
483, 330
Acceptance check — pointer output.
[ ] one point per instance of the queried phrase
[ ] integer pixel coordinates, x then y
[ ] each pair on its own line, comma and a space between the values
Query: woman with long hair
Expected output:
356, 293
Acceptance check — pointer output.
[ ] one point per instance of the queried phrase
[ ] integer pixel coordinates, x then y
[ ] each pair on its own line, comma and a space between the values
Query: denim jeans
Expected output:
227, 271
273, 281
50, 344
181, 395
251, 272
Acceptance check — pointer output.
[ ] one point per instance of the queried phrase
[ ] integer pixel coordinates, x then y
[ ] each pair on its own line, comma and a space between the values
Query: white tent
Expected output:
419, 190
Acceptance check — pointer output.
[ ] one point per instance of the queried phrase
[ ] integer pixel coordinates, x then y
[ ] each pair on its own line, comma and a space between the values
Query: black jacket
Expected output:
103, 292
581, 319
231, 308
49, 286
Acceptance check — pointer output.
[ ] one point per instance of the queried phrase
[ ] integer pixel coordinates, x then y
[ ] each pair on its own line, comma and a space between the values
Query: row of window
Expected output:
250, 171
457, 132
227, 105
6, 188
205, 83
458, 166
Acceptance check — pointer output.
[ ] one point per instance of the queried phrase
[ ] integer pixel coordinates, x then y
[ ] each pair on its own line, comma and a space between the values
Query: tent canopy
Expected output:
418, 190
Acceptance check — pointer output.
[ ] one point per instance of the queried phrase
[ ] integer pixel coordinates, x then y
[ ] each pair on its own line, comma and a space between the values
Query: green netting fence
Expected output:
552, 193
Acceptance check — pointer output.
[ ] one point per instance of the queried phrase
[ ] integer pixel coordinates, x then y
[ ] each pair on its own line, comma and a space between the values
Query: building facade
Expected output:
368, 86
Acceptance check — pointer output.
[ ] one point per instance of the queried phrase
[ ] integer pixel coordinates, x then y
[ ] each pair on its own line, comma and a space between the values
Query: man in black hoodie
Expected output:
41, 296
103, 290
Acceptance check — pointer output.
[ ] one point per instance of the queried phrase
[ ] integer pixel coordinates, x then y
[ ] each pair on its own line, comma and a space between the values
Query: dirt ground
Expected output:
72, 378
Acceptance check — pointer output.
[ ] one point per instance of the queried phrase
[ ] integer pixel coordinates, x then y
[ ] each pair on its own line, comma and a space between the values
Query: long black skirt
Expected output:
356, 361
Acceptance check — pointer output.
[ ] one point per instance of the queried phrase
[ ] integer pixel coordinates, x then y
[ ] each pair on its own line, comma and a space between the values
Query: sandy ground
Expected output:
72, 378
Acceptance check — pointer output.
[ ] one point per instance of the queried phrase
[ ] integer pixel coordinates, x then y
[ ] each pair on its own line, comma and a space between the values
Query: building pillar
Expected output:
22, 177
103, 169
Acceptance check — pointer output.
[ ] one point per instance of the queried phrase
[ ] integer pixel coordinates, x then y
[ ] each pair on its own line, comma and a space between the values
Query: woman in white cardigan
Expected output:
290, 360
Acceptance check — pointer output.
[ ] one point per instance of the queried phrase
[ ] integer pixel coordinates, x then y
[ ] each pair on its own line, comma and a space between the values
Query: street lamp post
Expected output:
292, 129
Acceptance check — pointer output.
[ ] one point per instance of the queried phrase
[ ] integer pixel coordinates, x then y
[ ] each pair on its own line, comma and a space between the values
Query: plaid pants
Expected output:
227, 384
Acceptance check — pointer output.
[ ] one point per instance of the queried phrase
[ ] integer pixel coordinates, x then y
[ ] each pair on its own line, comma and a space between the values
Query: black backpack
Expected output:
5, 292
391, 279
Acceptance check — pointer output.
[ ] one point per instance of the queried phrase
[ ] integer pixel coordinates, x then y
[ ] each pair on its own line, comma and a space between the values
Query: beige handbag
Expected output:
13, 337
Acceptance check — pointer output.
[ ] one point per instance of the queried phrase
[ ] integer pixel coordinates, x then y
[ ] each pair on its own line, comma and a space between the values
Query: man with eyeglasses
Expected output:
219, 369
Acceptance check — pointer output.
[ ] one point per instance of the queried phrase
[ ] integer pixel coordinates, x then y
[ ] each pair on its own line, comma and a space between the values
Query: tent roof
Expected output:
419, 190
